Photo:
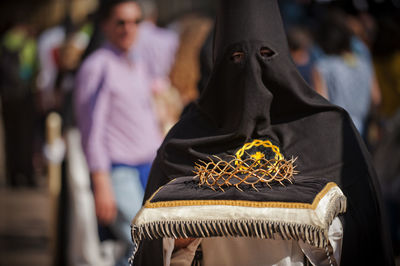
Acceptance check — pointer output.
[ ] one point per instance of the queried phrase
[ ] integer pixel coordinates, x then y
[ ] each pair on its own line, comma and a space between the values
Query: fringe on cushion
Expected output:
312, 235
201, 229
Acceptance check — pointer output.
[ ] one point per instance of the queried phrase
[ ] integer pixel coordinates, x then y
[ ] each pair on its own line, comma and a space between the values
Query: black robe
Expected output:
262, 96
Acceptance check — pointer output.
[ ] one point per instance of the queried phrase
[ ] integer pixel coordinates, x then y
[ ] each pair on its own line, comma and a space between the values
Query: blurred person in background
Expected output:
120, 132
155, 45
200, 62
387, 63
156, 48
349, 78
300, 45
363, 29
18, 66
185, 73
50, 42
386, 156
60, 49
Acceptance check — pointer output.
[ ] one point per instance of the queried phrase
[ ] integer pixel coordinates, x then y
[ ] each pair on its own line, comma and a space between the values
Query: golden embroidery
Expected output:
257, 143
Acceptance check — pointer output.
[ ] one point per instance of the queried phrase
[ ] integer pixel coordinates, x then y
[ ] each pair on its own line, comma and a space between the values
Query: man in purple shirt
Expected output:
120, 132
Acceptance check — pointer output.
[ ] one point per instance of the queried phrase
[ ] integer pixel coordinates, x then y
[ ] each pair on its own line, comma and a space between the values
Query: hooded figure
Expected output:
256, 93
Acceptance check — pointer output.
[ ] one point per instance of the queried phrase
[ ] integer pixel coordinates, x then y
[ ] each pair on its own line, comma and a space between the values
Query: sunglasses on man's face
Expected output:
121, 22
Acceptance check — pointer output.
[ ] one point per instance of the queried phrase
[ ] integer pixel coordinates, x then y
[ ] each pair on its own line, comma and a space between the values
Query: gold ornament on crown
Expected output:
255, 169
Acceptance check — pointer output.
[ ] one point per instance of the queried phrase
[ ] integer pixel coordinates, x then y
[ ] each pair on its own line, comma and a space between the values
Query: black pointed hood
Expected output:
256, 94
239, 21
254, 83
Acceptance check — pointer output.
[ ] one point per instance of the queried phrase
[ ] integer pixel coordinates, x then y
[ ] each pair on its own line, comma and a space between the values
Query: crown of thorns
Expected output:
218, 173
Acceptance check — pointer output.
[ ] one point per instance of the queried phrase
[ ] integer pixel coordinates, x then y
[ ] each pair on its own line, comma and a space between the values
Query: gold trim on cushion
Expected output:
242, 203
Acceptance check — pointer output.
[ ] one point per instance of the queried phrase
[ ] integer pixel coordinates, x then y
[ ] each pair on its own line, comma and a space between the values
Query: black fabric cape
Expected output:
265, 97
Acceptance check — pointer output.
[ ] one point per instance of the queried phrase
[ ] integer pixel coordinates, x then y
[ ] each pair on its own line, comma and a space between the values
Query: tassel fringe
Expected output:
313, 235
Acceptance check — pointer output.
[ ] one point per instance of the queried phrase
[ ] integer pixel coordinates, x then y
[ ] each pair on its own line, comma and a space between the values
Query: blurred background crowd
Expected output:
348, 51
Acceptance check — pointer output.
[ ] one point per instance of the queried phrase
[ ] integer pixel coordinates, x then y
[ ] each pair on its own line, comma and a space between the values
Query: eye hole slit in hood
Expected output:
266, 52
237, 56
